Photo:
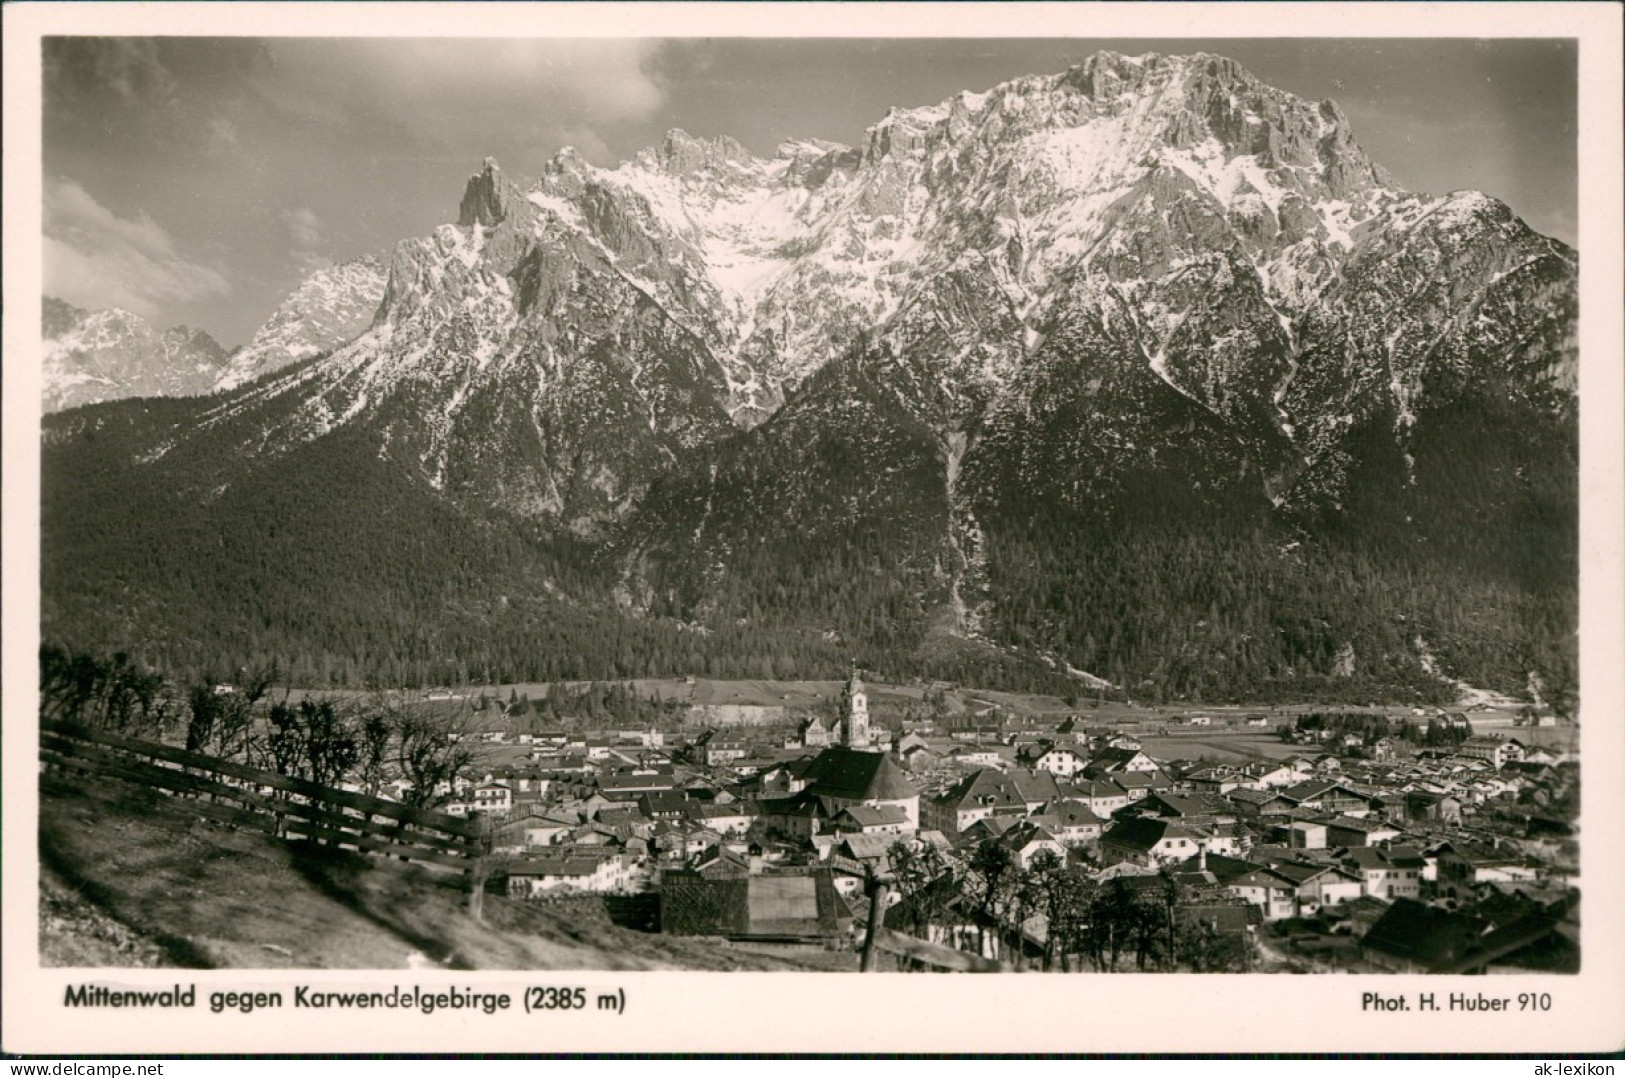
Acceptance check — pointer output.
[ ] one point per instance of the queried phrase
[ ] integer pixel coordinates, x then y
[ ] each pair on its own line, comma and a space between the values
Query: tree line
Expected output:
799, 553
1104, 927
366, 742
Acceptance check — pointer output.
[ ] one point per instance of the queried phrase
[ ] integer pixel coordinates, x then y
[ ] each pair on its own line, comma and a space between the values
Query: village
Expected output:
1065, 842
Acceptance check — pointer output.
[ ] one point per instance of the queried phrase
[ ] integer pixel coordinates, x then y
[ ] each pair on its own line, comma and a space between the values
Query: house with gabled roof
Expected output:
1421, 805
1027, 839
987, 829
1322, 795
867, 820
801, 815
722, 749
1214, 780
596, 834
1221, 868
872, 850
1103, 798
910, 740
781, 779
919, 758
1108, 762
491, 798
1230, 839
1353, 831
681, 840
1496, 751
1035, 788
629, 783
1072, 822
975, 797
1299, 834
1274, 894
571, 871
546, 828
728, 819
1212, 806
1047, 756
817, 731
1147, 840
1319, 885
1138, 784
668, 805
523, 779
1388, 873
626, 818
718, 862
1273, 776
1463, 864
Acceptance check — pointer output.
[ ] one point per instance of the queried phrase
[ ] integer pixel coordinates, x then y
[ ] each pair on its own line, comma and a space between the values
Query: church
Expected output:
856, 772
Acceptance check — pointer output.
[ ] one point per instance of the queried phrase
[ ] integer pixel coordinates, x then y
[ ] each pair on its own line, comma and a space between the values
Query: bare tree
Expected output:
993, 867
222, 720
431, 752
332, 742
924, 885
284, 746
115, 694
372, 769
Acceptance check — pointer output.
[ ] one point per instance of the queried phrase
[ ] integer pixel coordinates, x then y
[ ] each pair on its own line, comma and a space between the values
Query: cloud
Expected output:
308, 238
95, 258
588, 144
452, 91
221, 136
305, 226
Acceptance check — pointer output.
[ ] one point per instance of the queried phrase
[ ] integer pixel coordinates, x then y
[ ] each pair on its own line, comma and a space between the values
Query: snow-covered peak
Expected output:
802, 148
331, 306
1133, 168
108, 354
681, 153
1149, 224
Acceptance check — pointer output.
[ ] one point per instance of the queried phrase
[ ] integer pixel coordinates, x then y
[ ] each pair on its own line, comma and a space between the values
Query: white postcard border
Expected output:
776, 1013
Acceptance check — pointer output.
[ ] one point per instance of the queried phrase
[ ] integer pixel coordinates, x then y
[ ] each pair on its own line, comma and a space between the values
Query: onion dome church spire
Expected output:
854, 712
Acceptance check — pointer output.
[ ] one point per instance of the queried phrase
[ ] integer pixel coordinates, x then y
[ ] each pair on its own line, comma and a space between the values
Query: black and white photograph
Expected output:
1078, 506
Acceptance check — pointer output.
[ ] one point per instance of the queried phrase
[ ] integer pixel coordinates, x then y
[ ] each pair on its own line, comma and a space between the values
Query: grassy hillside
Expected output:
133, 879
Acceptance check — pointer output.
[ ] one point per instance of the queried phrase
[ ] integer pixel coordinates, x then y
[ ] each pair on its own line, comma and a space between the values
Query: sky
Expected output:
198, 180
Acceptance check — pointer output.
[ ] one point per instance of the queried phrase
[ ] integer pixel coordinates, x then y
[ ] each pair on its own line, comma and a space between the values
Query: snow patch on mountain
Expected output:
329, 308
1216, 235
91, 356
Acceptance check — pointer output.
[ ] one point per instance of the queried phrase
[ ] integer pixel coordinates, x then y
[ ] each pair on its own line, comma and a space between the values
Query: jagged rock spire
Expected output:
485, 199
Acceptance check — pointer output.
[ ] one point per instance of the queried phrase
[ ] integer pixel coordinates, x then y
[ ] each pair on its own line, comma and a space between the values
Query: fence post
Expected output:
482, 870
877, 887
476, 894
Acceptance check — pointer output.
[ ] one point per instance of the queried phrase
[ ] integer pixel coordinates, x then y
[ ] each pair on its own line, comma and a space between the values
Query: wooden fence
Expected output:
291, 808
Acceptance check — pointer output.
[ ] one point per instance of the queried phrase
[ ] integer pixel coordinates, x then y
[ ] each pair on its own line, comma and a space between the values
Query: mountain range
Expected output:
109, 354
1141, 377
114, 354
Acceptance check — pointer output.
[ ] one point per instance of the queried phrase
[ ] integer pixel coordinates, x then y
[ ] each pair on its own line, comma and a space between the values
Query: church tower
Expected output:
854, 713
